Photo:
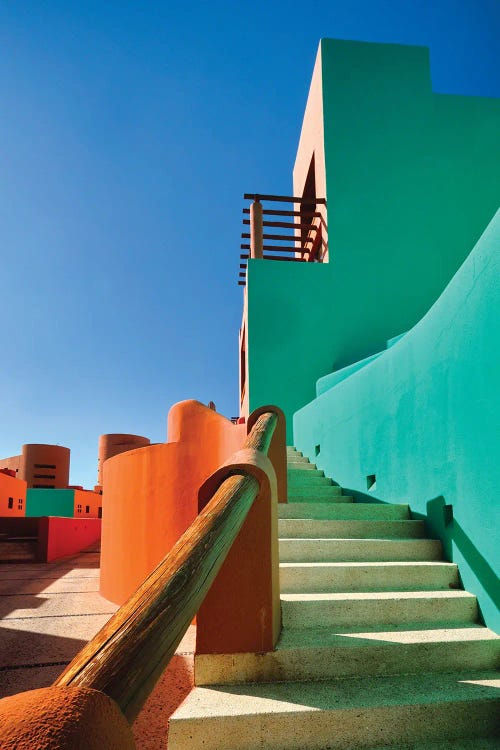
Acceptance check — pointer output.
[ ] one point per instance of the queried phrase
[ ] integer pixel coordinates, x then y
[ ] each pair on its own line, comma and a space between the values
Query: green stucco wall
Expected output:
50, 502
424, 417
411, 183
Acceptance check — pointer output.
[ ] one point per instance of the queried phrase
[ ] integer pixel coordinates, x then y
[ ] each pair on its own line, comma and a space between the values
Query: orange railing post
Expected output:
241, 612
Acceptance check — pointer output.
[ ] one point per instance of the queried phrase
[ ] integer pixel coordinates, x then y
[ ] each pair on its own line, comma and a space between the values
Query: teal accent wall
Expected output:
424, 417
412, 181
50, 502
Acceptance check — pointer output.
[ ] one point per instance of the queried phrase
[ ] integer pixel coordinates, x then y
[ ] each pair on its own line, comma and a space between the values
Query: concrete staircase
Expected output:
380, 646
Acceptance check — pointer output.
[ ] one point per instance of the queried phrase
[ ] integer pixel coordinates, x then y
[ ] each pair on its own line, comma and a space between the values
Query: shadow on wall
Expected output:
439, 523
363, 497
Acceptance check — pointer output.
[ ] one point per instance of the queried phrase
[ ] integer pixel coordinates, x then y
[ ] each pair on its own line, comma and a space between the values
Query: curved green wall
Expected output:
424, 417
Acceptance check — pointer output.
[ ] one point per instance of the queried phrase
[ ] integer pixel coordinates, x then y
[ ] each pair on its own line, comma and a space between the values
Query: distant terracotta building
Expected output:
41, 466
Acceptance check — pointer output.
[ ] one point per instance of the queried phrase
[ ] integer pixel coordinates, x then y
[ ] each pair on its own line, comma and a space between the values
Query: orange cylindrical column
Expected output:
114, 444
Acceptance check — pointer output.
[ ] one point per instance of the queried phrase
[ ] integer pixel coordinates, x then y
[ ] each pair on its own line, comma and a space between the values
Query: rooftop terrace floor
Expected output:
48, 612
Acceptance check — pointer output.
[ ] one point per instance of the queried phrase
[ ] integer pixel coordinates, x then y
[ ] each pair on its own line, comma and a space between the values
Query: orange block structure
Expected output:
12, 494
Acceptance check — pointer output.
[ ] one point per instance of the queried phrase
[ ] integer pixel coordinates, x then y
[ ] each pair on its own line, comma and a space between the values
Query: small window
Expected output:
99, 512
87, 509
20, 505
78, 508
45, 466
11, 502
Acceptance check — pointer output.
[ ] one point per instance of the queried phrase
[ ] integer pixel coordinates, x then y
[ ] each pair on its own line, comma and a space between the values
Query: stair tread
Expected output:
368, 540
474, 743
325, 638
330, 695
354, 511
369, 564
295, 528
375, 595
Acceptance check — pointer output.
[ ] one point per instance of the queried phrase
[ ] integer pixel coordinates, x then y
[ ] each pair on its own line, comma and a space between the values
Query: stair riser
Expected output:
342, 729
315, 498
313, 494
384, 612
300, 478
351, 511
324, 664
391, 578
309, 529
363, 550
302, 466
18, 551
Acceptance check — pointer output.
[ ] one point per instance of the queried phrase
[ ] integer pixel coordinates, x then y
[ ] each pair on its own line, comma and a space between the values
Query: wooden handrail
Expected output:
128, 655
279, 237
280, 248
284, 225
277, 212
283, 198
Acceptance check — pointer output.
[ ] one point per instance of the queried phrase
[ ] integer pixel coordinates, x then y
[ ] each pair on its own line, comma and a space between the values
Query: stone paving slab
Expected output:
14, 681
51, 605
16, 573
64, 585
48, 613
46, 640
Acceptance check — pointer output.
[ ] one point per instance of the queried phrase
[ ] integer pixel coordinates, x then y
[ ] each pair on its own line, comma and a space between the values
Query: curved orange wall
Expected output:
114, 444
150, 494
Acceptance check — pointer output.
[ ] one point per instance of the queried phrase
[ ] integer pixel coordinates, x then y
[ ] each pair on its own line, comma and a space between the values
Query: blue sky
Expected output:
129, 132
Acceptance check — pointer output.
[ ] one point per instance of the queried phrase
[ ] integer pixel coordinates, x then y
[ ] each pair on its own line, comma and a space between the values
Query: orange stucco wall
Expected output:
87, 499
45, 465
12, 462
150, 494
12, 489
114, 443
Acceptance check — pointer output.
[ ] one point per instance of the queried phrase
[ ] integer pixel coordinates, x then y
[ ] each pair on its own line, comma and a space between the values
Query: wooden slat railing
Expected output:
306, 242
281, 198
128, 655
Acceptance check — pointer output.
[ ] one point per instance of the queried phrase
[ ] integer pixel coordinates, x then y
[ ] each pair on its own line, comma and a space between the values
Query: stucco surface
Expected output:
424, 419
411, 183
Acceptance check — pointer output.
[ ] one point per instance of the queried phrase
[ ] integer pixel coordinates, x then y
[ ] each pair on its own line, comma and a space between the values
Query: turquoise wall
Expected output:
50, 502
424, 417
412, 180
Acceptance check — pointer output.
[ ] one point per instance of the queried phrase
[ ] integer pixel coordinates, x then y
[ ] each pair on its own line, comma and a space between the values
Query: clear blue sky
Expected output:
128, 133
